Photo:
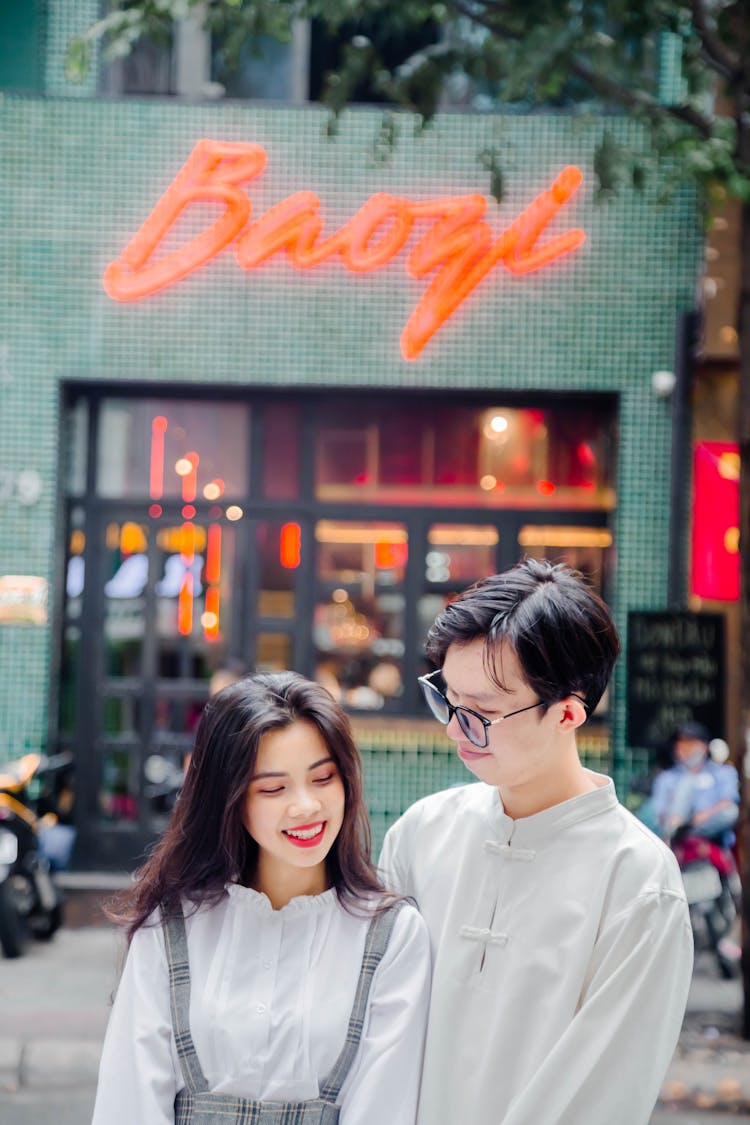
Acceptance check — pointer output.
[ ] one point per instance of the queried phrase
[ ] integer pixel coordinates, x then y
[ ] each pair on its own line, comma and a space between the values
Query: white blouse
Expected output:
271, 995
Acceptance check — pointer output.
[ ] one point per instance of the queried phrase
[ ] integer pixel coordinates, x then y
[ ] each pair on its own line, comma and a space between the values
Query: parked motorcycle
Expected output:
30, 903
712, 887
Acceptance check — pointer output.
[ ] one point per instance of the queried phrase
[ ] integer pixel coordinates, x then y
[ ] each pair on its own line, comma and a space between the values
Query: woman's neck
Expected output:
281, 886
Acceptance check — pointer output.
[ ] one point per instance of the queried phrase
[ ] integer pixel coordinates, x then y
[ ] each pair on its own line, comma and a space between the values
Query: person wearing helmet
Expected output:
697, 794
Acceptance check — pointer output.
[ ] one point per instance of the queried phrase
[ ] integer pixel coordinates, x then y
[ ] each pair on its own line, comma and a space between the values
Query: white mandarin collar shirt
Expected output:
562, 957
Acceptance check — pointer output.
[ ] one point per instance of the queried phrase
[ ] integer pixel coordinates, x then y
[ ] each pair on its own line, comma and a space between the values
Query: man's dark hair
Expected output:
559, 629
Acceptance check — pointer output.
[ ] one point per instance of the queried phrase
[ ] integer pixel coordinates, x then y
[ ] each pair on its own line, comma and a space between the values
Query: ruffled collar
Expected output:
250, 899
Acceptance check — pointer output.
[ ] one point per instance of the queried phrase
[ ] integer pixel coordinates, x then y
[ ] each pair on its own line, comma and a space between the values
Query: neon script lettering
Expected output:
459, 247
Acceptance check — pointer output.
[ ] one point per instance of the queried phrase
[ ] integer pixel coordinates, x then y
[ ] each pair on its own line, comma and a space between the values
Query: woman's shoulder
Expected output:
401, 917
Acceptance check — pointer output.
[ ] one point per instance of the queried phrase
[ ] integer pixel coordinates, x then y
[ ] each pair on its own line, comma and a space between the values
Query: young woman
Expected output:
269, 977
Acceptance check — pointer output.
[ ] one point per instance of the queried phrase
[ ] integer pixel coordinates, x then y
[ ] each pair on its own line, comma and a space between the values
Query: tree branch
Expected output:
640, 100
492, 25
724, 59
612, 89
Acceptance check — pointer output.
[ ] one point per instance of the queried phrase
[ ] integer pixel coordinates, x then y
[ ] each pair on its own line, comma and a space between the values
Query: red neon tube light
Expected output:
156, 469
290, 546
459, 247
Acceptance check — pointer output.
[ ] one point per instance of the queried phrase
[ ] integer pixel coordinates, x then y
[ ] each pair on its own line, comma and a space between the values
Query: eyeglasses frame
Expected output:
485, 721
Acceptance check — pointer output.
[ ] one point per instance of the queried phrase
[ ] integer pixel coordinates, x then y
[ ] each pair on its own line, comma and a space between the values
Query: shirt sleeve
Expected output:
138, 1071
661, 793
728, 786
610, 1062
383, 1085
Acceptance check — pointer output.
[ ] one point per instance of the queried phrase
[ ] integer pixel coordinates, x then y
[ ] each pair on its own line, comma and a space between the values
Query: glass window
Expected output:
70, 670
278, 553
361, 554
121, 714
273, 652
118, 786
460, 553
76, 438
358, 627
176, 716
281, 451
346, 459
585, 548
172, 449
126, 580
194, 587
433, 453
264, 69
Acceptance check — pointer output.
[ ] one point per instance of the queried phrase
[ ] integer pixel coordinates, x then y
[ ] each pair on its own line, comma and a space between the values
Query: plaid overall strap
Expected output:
179, 999
378, 936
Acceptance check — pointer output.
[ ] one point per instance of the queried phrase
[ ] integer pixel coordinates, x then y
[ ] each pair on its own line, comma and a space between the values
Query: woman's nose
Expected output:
304, 804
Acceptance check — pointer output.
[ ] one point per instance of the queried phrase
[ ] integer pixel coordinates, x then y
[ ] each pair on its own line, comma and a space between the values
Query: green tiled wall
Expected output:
78, 177
401, 768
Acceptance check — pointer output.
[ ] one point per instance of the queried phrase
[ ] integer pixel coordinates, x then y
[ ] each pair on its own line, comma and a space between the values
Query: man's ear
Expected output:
573, 713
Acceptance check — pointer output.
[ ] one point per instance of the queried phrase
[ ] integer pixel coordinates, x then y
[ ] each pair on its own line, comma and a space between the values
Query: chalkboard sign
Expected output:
675, 675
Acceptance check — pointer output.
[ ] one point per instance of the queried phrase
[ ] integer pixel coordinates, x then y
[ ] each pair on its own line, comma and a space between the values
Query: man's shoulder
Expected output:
720, 769
643, 863
437, 807
474, 794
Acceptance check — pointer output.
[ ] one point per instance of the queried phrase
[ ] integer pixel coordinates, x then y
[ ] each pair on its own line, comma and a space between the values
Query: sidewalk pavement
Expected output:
56, 1000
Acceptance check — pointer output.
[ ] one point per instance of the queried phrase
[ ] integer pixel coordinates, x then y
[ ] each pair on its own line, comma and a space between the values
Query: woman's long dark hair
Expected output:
206, 844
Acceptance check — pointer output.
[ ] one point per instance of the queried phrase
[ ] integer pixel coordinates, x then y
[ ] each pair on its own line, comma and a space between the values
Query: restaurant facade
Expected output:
271, 398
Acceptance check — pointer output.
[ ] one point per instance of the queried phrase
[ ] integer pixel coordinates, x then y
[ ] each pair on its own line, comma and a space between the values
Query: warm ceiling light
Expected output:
564, 537
234, 513
488, 482
460, 536
728, 334
729, 465
183, 467
327, 531
732, 540
77, 542
498, 423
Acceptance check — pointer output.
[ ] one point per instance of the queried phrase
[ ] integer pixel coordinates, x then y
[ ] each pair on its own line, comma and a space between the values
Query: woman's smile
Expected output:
307, 835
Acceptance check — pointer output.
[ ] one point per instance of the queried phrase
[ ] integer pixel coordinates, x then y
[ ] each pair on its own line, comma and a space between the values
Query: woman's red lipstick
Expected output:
309, 842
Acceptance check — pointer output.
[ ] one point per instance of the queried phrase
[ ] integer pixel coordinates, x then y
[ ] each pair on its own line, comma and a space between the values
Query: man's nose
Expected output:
453, 729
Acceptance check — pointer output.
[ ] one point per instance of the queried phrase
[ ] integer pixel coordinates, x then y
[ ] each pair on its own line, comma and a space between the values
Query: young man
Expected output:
562, 949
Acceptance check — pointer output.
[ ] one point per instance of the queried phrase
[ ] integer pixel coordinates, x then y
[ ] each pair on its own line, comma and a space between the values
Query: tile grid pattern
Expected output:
80, 175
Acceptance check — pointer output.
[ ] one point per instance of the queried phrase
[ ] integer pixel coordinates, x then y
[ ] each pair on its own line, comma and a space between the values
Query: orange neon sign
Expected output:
459, 248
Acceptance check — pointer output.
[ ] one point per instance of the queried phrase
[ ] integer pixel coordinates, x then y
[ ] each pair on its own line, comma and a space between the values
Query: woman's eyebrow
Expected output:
281, 773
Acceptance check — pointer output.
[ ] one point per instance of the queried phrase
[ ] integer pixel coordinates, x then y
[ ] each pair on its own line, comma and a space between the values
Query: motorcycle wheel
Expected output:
718, 922
43, 926
13, 933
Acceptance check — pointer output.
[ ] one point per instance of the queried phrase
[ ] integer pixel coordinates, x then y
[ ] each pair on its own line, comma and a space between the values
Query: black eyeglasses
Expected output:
473, 725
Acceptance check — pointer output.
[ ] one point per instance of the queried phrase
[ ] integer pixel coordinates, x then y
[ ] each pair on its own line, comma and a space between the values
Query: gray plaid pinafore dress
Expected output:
196, 1105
